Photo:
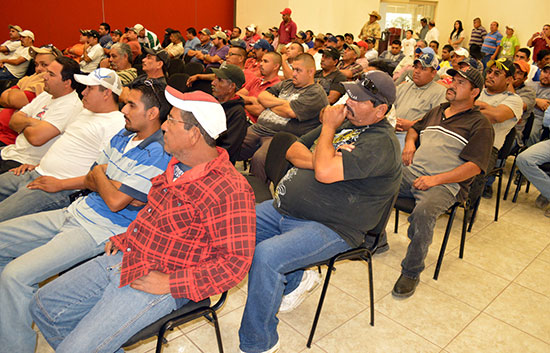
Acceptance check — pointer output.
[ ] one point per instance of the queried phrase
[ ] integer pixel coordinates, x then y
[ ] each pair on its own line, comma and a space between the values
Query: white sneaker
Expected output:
310, 281
273, 349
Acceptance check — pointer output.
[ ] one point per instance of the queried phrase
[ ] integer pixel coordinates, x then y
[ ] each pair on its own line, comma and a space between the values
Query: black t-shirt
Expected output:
331, 82
372, 174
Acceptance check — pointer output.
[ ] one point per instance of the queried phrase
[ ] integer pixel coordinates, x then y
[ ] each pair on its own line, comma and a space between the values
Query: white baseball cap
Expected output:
206, 109
27, 33
101, 77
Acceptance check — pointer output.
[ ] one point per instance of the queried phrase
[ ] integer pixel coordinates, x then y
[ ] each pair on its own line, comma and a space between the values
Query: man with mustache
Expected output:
455, 145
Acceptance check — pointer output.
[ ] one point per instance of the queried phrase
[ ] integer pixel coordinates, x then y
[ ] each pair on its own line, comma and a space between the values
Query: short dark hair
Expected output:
113, 94
436, 43
301, 46
339, 36
106, 26
425, 20
526, 51
192, 30
396, 41
189, 121
349, 35
70, 68
542, 53
310, 33
448, 48
239, 28
153, 96
410, 30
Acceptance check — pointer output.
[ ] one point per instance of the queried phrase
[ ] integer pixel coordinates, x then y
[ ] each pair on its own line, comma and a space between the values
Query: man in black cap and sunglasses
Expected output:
345, 175
455, 146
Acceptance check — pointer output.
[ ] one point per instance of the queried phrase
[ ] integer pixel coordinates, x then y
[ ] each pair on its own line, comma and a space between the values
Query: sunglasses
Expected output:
149, 83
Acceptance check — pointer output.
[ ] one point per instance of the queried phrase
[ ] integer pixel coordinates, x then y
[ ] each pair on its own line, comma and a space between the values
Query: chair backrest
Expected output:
175, 66
193, 68
527, 128
276, 164
179, 82
506, 148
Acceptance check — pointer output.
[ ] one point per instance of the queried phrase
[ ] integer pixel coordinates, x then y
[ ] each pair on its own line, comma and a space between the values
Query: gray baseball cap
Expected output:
373, 85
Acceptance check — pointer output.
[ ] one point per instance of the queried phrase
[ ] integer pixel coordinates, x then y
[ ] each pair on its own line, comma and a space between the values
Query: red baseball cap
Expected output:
286, 11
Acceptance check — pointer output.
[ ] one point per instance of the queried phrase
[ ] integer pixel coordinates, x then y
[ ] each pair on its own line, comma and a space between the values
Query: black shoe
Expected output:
487, 192
404, 287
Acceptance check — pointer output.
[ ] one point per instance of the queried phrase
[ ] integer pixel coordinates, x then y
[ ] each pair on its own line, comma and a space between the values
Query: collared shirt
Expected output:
355, 68
191, 45
221, 52
491, 42
370, 30
133, 169
478, 35
256, 86
538, 45
287, 32
199, 228
413, 102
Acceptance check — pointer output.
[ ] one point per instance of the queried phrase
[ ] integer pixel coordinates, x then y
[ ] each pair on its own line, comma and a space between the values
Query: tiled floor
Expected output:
496, 299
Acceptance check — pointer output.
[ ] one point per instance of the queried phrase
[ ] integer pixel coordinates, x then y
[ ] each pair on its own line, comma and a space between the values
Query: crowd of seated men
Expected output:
122, 149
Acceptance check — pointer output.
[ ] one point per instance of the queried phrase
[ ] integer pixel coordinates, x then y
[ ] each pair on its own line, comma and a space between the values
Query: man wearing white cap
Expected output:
16, 66
38, 246
8, 47
250, 36
194, 239
146, 38
40, 122
36, 188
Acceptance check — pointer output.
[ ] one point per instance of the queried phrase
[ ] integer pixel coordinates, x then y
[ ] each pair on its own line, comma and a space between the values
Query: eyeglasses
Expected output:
149, 83
172, 119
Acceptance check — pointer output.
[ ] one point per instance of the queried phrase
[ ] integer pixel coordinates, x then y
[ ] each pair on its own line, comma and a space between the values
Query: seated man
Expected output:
371, 53
16, 65
291, 105
9, 46
259, 49
155, 67
527, 95
417, 97
195, 240
329, 77
313, 216
229, 79
289, 55
38, 246
93, 53
35, 188
175, 48
348, 65
146, 38
542, 102
528, 163
502, 107
269, 69
203, 48
192, 40
40, 122
393, 56
217, 53
131, 38
26, 89
455, 145
120, 60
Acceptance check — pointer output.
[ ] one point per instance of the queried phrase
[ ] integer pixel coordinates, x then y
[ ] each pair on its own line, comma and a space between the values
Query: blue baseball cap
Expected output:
263, 44
428, 60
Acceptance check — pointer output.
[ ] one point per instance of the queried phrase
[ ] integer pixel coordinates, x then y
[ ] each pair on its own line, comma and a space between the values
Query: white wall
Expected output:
340, 16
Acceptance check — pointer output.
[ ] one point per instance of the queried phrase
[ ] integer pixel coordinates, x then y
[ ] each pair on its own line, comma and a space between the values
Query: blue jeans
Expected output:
430, 204
486, 58
84, 310
32, 249
528, 162
6, 75
283, 245
17, 200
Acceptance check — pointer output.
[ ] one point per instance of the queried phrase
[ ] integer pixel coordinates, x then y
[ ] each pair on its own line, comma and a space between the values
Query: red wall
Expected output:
58, 21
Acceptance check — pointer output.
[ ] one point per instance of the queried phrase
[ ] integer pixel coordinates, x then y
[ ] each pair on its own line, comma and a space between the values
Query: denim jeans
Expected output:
84, 310
283, 245
430, 204
32, 249
17, 200
528, 162
6, 75
255, 147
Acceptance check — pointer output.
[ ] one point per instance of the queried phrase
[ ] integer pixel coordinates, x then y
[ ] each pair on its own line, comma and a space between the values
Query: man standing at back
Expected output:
477, 36
40, 122
287, 29
491, 44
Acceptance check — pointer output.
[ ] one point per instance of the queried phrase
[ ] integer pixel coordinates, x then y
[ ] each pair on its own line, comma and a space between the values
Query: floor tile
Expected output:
489, 335
429, 313
536, 277
545, 255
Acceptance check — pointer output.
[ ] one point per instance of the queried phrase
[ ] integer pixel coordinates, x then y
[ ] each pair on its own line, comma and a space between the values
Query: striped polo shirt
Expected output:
133, 169
491, 42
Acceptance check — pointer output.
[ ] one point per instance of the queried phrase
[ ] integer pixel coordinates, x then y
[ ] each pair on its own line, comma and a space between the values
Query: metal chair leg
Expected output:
218, 333
499, 176
512, 177
474, 213
463, 234
396, 221
444, 244
518, 188
371, 289
320, 305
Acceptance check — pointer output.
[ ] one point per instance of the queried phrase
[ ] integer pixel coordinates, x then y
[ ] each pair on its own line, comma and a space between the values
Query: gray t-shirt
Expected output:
512, 101
372, 174
305, 102
527, 95
331, 82
541, 92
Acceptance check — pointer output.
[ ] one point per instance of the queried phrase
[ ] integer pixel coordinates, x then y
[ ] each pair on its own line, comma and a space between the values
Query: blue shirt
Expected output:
190, 45
491, 42
133, 169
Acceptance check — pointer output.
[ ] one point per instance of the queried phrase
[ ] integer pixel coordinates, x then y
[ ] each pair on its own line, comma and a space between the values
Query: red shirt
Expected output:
256, 86
253, 65
287, 32
7, 135
199, 228
538, 45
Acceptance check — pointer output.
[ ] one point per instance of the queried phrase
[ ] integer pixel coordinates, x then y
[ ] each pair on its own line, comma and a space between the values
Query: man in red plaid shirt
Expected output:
193, 239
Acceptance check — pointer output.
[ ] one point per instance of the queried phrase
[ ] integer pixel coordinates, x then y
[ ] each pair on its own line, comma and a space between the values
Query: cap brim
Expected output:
86, 80
357, 93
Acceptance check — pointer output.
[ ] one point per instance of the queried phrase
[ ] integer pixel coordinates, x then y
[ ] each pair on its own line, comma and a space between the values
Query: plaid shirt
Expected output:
199, 228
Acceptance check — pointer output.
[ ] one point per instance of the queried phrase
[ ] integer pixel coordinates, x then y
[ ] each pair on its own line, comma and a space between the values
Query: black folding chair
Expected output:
363, 252
186, 313
517, 149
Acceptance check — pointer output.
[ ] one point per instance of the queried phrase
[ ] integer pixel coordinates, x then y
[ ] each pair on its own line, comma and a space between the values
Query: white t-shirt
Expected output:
371, 55
79, 147
12, 46
19, 70
59, 112
408, 47
433, 34
512, 101
96, 54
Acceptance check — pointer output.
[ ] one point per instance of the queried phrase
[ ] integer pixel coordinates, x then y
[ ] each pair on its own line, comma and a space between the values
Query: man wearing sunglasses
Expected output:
455, 142
38, 246
324, 205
